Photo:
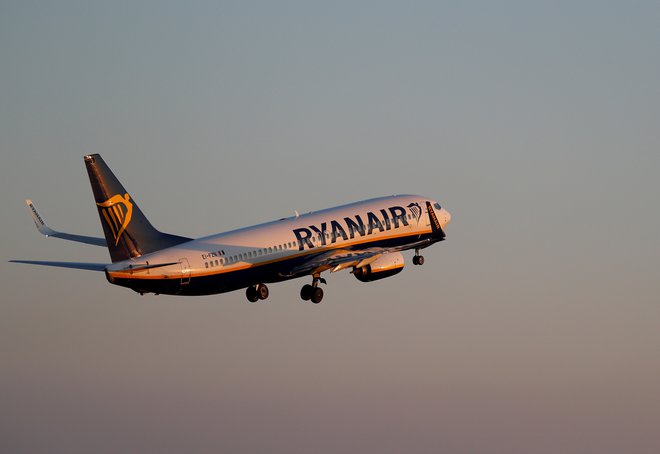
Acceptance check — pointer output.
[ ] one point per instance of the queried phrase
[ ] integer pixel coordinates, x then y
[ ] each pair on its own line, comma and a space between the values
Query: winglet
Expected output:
47, 231
38, 220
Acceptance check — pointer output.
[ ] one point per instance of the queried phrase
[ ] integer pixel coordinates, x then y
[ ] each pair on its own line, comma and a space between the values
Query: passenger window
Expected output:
216, 263
206, 264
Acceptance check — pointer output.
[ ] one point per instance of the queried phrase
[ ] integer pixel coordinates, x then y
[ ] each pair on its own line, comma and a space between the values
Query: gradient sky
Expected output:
535, 328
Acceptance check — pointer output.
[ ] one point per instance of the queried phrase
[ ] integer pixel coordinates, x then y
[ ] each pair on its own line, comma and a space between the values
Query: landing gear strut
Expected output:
313, 292
418, 259
257, 292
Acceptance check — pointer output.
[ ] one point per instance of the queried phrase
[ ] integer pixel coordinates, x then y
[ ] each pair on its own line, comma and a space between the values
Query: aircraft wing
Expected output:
337, 260
47, 231
76, 265
344, 258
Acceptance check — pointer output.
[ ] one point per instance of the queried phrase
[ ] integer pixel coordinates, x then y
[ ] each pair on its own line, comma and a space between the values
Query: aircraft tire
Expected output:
251, 294
420, 260
262, 291
306, 292
317, 295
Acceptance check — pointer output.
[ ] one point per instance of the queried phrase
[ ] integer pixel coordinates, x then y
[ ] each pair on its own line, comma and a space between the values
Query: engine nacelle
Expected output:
385, 266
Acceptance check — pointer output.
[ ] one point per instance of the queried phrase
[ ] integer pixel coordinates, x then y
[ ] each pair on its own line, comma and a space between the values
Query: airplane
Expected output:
366, 237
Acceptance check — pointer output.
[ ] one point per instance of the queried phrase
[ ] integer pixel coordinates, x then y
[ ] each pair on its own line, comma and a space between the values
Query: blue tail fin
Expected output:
127, 231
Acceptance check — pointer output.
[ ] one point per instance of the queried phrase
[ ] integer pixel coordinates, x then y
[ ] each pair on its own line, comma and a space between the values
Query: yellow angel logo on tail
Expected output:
117, 212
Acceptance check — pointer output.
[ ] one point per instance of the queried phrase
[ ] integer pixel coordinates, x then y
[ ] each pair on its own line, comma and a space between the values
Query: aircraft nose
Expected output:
445, 217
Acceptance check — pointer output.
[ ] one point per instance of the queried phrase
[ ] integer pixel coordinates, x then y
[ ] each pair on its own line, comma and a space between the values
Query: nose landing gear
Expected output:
418, 259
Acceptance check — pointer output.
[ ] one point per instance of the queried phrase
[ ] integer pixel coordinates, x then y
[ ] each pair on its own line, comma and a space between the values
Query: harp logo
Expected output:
117, 212
415, 210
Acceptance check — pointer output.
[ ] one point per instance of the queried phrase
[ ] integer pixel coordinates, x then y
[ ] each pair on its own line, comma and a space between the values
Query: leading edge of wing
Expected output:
44, 229
337, 260
75, 265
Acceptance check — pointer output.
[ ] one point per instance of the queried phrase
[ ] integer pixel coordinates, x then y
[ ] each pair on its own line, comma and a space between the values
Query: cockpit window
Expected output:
437, 206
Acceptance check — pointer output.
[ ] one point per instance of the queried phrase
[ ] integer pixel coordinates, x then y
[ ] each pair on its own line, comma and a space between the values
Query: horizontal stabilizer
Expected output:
75, 265
45, 230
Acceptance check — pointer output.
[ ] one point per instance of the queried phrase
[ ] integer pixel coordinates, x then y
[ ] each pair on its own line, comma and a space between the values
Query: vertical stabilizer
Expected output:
127, 231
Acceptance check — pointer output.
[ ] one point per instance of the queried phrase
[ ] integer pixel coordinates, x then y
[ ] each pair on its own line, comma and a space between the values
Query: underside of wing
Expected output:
337, 260
340, 259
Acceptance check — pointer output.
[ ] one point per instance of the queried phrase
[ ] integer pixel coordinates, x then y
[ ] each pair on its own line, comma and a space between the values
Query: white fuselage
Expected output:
268, 252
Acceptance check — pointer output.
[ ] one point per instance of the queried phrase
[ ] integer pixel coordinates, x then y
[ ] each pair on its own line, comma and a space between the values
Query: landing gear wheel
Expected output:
262, 291
317, 295
306, 292
415, 260
251, 294
420, 259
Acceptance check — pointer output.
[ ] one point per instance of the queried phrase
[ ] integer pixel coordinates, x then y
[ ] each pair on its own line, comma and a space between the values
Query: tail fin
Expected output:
127, 231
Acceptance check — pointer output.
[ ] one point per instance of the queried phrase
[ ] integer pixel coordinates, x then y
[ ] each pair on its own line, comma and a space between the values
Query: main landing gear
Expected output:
313, 292
257, 292
418, 259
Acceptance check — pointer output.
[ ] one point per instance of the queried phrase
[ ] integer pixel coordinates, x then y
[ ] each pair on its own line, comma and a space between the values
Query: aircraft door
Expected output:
432, 220
428, 214
185, 271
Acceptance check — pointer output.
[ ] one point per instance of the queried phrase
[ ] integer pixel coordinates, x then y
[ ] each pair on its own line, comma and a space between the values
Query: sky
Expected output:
533, 328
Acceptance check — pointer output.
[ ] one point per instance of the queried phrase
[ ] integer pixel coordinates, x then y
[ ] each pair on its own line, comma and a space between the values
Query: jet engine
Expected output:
385, 266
